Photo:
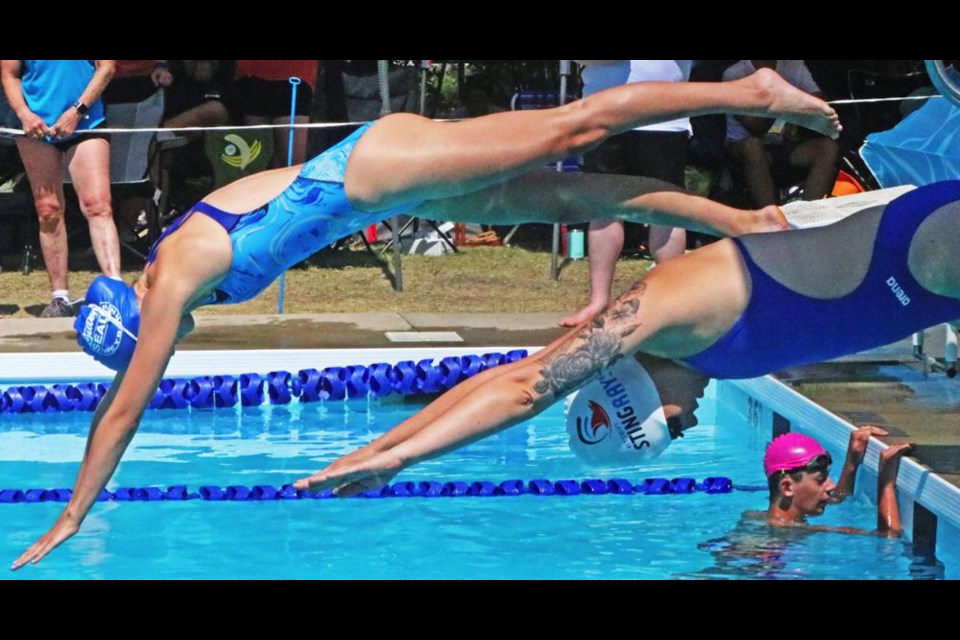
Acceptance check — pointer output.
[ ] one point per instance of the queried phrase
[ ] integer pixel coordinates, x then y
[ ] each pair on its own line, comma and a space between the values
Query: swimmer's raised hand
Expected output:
859, 440
856, 449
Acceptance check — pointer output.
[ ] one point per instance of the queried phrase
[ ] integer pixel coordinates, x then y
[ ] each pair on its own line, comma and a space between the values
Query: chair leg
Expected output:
396, 236
509, 236
950, 351
443, 236
28, 230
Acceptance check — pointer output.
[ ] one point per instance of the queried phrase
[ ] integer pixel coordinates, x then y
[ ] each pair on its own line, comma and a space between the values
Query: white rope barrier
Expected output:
334, 125
310, 125
862, 100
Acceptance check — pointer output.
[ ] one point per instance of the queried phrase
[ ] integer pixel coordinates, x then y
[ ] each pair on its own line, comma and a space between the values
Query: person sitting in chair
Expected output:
759, 150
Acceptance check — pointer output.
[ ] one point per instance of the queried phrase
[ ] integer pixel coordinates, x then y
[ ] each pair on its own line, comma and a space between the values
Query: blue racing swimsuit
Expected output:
310, 214
781, 328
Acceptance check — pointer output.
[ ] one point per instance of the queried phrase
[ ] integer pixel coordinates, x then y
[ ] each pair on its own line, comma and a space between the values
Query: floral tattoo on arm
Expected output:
596, 347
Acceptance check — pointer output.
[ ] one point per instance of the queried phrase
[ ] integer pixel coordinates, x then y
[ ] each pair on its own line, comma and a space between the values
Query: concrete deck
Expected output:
885, 387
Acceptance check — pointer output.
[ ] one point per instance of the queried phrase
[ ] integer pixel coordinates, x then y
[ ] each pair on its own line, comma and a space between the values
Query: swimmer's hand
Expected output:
859, 440
856, 449
64, 528
348, 480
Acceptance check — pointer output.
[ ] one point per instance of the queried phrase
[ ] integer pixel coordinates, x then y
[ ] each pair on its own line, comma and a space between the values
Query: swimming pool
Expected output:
584, 536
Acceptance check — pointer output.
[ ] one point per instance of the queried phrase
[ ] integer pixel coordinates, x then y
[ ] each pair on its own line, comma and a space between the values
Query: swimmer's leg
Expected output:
405, 157
549, 196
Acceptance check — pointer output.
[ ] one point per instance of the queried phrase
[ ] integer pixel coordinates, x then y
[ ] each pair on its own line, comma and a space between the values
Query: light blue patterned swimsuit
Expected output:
310, 214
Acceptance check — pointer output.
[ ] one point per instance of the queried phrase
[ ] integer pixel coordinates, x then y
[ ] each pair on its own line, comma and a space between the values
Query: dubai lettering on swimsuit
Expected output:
627, 415
898, 291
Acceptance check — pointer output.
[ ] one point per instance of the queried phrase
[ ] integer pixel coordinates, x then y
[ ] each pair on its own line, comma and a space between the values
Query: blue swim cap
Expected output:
108, 324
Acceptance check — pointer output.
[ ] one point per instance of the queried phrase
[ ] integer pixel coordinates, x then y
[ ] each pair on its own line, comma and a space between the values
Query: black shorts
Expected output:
129, 89
186, 94
64, 145
651, 154
267, 98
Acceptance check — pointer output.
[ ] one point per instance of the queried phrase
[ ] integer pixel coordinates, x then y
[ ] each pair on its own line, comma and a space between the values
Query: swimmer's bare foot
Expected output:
758, 221
587, 313
796, 106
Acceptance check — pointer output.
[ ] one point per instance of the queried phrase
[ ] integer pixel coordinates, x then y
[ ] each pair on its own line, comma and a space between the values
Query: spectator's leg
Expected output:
755, 163
821, 156
605, 237
211, 113
44, 165
279, 153
667, 242
606, 243
663, 155
89, 165
281, 142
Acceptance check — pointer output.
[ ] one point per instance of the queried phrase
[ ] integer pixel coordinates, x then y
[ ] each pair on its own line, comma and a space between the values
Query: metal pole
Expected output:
424, 66
383, 71
294, 82
555, 250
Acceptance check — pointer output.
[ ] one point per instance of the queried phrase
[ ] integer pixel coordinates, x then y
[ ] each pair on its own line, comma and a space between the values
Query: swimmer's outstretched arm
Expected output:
502, 399
447, 400
115, 426
857, 448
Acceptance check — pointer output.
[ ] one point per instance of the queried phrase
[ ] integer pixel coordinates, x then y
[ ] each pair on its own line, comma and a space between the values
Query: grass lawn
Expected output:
478, 279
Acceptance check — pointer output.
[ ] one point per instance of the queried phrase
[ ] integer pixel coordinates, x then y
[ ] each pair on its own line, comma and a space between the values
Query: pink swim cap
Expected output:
790, 451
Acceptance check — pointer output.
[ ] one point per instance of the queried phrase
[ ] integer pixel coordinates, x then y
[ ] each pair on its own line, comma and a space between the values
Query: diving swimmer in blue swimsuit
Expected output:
740, 307
783, 328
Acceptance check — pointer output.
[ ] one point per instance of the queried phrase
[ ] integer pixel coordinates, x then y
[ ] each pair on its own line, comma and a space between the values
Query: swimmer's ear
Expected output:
786, 485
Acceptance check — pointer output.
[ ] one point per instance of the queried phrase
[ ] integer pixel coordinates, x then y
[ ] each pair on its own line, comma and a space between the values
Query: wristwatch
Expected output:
81, 108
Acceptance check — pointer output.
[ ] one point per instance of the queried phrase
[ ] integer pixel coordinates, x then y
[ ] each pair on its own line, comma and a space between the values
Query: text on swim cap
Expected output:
626, 414
95, 328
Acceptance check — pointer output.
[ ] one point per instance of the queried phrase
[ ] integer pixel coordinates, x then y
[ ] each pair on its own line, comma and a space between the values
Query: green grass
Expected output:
477, 280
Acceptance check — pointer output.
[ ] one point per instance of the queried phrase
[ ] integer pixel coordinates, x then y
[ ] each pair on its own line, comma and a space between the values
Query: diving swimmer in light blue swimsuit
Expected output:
310, 214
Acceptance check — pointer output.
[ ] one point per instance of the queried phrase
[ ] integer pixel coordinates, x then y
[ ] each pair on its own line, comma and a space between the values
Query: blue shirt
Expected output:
50, 87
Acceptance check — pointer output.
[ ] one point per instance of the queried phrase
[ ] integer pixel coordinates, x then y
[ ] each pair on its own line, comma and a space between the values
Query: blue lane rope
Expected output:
404, 489
276, 387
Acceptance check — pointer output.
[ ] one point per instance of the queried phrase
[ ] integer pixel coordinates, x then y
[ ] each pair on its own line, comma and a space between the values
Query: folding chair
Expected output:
16, 202
230, 153
130, 155
234, 154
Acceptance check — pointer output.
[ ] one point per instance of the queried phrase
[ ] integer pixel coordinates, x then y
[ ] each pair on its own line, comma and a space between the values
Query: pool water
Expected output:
558, 537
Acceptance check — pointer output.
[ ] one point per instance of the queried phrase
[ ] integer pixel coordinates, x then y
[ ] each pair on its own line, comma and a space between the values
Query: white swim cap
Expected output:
618, 418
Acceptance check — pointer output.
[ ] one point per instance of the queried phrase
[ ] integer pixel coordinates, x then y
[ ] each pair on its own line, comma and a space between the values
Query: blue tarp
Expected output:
922, 149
